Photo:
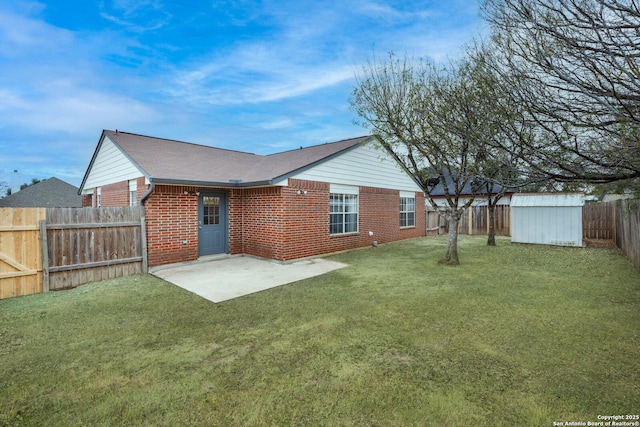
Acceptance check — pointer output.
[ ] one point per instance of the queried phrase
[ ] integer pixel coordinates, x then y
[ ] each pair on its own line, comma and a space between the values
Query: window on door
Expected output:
211, 210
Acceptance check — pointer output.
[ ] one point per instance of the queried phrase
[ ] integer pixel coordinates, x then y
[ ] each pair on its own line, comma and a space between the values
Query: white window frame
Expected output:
344, 203
98, 194
407, 215
133, 192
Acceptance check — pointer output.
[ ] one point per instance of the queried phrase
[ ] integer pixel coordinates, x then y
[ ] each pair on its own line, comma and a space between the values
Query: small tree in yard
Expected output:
505, 137
435, 121
493, 174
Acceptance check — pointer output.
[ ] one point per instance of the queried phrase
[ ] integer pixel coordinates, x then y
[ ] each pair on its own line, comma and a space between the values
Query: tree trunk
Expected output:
451, 258
491, 240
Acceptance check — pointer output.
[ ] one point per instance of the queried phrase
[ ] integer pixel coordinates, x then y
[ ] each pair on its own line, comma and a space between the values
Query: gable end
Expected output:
109, 165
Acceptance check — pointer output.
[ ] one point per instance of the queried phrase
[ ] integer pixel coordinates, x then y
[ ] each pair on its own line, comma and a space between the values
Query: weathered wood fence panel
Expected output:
435, 223
618, 221
92, 244
474, 221
626, 228
20, 253
597, 221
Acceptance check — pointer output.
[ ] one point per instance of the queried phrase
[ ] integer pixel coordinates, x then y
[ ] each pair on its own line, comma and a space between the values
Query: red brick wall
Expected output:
378, 211
172, 224
306, 223
277, 223
281, 224
271, 222
255, 221
115, 194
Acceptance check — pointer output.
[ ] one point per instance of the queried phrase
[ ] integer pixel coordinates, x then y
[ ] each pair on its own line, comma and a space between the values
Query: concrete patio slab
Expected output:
222, 279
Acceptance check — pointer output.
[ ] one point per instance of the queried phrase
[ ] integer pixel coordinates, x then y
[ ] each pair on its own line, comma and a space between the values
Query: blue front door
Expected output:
212, 223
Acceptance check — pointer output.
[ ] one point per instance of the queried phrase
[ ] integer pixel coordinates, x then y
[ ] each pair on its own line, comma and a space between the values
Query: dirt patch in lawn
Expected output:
599, 243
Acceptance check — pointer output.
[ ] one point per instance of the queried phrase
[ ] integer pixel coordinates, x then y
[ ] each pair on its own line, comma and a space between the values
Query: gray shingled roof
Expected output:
48, 193
438, 189
169, 161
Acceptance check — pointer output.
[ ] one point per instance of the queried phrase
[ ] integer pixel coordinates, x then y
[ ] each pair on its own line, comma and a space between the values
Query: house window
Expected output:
98, 201
407, 211
343, 213
133, 191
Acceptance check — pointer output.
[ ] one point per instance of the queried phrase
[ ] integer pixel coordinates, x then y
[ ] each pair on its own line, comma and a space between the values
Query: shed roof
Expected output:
170, 161
547, 200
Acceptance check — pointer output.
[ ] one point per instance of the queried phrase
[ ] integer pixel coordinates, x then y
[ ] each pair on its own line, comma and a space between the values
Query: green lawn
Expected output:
515, 335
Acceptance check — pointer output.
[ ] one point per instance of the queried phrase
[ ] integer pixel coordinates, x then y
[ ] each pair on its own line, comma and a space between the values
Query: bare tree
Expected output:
573, 67
5, 189
435, 121
500, 168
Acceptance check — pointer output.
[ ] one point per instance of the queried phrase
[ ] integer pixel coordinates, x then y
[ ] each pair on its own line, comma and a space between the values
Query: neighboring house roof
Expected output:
438, 190
48, 193
169, 161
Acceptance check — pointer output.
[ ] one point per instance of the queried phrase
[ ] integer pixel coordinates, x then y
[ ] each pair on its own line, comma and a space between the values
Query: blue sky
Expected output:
256, 76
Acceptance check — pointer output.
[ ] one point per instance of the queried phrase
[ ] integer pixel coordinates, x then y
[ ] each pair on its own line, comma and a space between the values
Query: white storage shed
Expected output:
547, 218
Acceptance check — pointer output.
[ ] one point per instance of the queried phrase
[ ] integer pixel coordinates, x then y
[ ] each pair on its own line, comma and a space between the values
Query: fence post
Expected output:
143, 231
45, 255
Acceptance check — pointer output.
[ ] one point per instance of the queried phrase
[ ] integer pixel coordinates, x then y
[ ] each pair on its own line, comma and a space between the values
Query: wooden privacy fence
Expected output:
597, 221
21, 271
626, 228
59, 248
474, 221
435, 223
91, 244
618, 221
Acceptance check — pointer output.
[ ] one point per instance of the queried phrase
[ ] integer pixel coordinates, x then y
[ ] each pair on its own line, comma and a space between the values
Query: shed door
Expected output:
212, 223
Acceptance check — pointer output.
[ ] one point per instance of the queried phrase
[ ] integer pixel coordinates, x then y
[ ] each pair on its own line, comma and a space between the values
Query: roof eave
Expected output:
216, 184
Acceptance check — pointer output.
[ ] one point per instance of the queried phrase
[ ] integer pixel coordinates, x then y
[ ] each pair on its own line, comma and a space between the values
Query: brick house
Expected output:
200, 200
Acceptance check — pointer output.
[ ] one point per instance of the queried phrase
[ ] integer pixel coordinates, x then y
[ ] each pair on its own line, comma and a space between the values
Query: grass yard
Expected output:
516, 335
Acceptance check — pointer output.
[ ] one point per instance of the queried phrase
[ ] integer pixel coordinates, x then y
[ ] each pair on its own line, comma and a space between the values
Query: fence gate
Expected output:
20, 251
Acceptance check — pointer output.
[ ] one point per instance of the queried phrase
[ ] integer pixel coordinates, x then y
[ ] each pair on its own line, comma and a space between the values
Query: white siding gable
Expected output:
365, 166
110, 166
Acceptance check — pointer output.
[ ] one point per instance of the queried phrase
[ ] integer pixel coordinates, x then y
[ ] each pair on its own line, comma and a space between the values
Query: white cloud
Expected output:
266, 74
313, 47
278, 123
389, 14
72, 110
20, 35
129, 14
204, 86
